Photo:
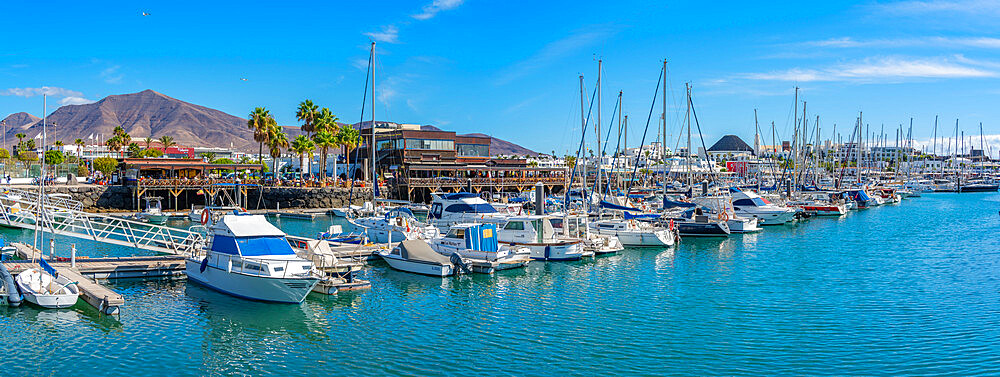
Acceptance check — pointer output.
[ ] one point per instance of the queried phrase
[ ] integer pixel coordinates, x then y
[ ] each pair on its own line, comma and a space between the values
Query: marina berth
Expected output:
536, 233
477, 244
749, 204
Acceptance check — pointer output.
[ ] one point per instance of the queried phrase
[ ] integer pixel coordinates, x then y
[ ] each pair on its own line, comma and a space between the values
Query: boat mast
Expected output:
583, 130
371, 146
663, 144
600, 152
860, 130
687, 158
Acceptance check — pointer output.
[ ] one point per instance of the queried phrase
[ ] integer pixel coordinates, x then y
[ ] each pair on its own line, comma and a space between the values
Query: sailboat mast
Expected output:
600, 152
663, 143
583, 131
371, 146
687, 158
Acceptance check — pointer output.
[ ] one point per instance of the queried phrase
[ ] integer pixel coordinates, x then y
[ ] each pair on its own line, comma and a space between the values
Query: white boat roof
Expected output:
248, 226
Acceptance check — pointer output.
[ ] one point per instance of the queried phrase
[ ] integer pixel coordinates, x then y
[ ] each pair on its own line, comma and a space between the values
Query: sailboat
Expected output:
43, 286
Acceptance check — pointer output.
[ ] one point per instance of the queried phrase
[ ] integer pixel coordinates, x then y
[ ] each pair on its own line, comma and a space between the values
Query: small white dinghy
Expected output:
45, 288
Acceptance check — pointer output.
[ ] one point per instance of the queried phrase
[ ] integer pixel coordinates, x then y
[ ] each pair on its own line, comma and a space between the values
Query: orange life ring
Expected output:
205, 216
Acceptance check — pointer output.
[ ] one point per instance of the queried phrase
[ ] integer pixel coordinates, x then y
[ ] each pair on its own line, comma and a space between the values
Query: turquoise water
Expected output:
908, 288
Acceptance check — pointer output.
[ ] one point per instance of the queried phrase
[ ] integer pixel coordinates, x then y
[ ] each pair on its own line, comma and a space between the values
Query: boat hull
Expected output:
651, 238
825, 210
258, 288
702, 230
564, 251
419, 267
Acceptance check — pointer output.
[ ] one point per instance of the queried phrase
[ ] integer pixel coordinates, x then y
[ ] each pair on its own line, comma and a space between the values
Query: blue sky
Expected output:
511, 68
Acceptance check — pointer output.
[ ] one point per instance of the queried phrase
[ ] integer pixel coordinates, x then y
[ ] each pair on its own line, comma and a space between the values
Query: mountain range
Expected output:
149, 113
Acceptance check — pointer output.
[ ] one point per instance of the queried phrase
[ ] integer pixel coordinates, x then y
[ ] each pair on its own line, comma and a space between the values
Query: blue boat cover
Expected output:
641, 216
459, 195
482, 238
672, 204
46, 267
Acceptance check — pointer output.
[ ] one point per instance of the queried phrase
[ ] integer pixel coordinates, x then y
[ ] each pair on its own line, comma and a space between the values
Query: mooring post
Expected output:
72, 255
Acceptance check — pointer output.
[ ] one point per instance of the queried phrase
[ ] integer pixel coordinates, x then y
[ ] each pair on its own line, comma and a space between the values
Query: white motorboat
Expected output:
250, 258
749, 204
462, 207
634, 233
397, 225
821, 204
536, 233
153, 213
478, 242
577, 226
418, 257
326, 261
721, 206
45, 288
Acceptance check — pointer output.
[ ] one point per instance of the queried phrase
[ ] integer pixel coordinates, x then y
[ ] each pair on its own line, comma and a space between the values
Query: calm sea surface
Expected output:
899, 289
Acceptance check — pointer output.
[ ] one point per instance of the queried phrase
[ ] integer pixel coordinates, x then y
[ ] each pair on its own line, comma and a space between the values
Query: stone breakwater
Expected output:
118, 198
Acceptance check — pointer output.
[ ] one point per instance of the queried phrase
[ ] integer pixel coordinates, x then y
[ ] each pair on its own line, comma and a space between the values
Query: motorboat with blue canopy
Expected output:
249, 257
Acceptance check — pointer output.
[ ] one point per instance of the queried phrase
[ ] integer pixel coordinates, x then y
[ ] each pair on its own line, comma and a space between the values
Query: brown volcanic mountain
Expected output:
18, 120
146, 113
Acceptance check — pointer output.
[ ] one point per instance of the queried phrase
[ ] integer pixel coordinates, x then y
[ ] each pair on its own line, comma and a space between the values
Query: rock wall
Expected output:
112, 198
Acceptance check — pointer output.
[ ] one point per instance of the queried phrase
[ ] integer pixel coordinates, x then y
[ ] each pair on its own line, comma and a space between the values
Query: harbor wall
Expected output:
119, 198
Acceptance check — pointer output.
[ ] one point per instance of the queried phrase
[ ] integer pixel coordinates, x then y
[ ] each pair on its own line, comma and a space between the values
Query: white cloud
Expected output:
389, 34
46, 90
74, 101
432, 9
990, 8
879, 69
951, 42
111, 75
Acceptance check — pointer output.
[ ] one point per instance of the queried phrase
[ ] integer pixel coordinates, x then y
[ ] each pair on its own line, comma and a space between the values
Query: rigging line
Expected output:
648, 118
694, 115
364, 101
580, 150
605, 146
614, 159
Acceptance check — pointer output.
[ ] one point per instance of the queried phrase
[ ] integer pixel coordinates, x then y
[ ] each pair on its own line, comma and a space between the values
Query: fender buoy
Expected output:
205, 216
204, 264
671, 224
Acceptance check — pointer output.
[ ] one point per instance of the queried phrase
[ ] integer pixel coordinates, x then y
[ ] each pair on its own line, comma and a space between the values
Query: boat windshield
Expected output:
252, 246
758, 202
470, 208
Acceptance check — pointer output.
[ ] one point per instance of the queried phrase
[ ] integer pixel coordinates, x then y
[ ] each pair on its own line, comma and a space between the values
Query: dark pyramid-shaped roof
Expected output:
730, 143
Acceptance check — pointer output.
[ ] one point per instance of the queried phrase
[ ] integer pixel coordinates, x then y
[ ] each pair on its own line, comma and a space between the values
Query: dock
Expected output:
100, 297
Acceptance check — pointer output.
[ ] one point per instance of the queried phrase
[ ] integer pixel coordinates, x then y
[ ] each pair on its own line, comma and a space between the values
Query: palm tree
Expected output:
79, 146
58, 143
303, 146
349, 138
325, 140
20, 139
149, 141
307, 113
276, 140
259, 122
209, 157
326, 124
166, 142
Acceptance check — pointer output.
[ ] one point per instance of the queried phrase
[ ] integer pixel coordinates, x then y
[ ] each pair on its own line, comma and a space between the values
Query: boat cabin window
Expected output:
750, 202
514, 225
456, 233
471, 208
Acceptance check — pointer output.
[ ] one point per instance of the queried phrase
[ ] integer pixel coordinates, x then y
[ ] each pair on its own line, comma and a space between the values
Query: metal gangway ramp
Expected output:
61, 215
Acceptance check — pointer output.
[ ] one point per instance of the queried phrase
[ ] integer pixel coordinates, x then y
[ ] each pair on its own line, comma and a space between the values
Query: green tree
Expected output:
106, 165
209, 157
260, 122
570, 161
82, 171
326, 136
58, 143
151, 153
134, 150
27, 155
79, 146
54, 157
302, 146
30, 145
223, 161
276, 141
149, 141
4, 154
307, 114
349, 138
166, 142
20, 139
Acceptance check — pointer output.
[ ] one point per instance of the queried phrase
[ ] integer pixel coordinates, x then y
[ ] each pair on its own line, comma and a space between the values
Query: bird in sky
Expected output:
144, 14
242, 78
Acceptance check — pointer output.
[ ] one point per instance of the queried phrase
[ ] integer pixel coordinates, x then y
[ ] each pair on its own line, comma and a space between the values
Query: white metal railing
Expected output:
64, 216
